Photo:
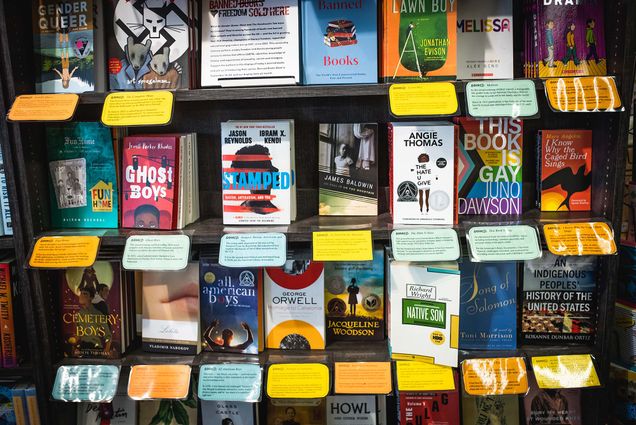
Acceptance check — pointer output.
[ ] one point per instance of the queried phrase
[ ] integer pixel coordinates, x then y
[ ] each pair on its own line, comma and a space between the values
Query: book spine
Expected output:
390, 140
7, 330
32, 406
4, 203
539, 167
19, 401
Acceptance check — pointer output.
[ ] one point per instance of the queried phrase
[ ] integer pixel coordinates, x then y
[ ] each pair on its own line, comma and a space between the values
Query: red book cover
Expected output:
7, 329
438, 408
150, 181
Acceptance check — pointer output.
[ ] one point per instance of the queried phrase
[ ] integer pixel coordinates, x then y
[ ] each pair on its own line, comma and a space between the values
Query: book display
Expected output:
293, 212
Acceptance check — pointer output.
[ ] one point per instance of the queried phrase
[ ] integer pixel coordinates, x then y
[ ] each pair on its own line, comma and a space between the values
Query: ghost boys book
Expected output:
490, 409
348, 169
294, 305
434, 408
82, 175
339, 42
227, 412
422, 173
351, 410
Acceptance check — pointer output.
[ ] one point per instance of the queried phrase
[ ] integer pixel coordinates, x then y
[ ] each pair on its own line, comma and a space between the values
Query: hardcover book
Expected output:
83, 177
228, 412
419, 40
554, 406
340, 42
351, 410
435, 408
348, 169
292, 412
565, 180
294, 306
490, 166
490, 409
121, 411
559, 300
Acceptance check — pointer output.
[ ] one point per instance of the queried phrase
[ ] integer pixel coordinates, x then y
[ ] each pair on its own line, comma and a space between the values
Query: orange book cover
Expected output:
7, 329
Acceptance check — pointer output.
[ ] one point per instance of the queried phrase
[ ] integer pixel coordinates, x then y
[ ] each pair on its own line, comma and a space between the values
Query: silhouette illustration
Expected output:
227, 336
569, 182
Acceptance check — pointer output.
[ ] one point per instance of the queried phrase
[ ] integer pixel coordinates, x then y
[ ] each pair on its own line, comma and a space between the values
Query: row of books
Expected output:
6, 228
154, 44
18, 403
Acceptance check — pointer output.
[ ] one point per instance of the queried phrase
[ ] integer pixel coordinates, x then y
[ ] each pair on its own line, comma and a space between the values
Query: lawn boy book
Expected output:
294, 305
490, 409
488, 306
554, 406
559, 300
490, 166
484, 40
435, 408
418, 40
422, 173
354, 299
348, 169
351, 410
229, 307
258, 177
565, 173
251, 43
295, 412
339, 42
228, 412
82, 176
68, 46
424, 311
122, 410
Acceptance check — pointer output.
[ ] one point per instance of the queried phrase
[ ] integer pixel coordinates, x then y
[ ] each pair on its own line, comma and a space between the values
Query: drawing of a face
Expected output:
154, 21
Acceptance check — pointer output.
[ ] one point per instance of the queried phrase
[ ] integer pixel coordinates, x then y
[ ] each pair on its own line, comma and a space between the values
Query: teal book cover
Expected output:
82, 176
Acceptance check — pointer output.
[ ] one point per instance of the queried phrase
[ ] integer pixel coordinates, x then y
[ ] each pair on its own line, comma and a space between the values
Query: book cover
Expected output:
490, 166
122, 410
91, 312
351, 410
624, 335
354, 299
424, 312
294, 306
555, 406
559, 300
488, 306
257, 177
621, 386
32, 405
435, 408
83, 177
18, 398
150, 181
228, 412
5, 209
229, 308
295, 412
169, 412
8, 297
7, 412
348, 169
339, 42
422, 175
419, 40
170, 322
490, 409
484, 40
565, 170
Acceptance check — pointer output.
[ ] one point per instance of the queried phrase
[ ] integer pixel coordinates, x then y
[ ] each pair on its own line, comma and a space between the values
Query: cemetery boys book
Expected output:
434, 408
340, 42
490, 409
83, 178
348, 169
227, 412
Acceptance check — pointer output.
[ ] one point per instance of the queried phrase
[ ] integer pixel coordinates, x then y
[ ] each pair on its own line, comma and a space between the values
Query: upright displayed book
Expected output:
553, 406
68, 46
490, 166
490, 409
82, 176
419, 40
624, 335
228, 412
422, 173
431, 408
258, 178
339, 42
122, 410
348, 169
169, 412
250, 43
305, 412
565, 173
351, 410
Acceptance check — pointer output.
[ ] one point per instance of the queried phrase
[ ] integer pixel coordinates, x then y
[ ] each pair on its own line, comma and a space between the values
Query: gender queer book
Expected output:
554, 406
339, 42
250, 43
351, 410
68, 46
258, 178
348, 169
303, 412
83, 177
227, 412
122, 410
488, 306
424, 312
229, 308
490, 409
565, 173
559, 300
434, 408
354, 299
294, 306
422, 173
490, 166
484, 40
419, 40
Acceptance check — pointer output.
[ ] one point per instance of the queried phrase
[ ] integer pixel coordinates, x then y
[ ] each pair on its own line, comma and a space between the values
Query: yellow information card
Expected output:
298, 380
362, 378
159, 382
583, 94
60, 252
570, 371
423, 376
495, 376
595, 238
355, 245
422, 99
138, 108
43, 107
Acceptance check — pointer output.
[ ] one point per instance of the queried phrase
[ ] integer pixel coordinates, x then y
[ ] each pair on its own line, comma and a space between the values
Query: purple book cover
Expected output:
552, 407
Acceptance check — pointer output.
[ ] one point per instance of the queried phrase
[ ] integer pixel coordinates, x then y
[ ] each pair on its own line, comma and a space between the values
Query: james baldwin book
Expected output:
228, 412
434, 408
348, 169
490, 409
351, 410
552, 406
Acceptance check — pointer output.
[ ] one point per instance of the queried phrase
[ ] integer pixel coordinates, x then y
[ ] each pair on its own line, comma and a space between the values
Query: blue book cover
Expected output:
229, 308
7, 413
339, 42
488, 306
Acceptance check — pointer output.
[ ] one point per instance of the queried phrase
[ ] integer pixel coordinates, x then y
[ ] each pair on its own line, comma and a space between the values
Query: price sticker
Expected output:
568, 371
595, 238
61, 252
355, 245
148, 382
362, 377
423, 376
495, 376
138, 108
43, 107
156, 252
423, 99
298, 380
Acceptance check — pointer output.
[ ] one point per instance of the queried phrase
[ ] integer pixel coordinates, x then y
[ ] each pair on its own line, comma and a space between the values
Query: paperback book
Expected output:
434, 408
13, 340
122, 410
554, 406
303, 412
169, 412
5, 208
228, 412
621, 385
351, 410
490, 409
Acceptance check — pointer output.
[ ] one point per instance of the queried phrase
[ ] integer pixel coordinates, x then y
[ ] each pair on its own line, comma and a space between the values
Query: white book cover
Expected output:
227, 412
484, 40
257, 177
250, 43
121, 411
423, 173
351, 410
424, 311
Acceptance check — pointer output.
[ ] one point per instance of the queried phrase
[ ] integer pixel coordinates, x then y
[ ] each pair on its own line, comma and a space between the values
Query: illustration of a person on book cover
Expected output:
227, 337
353, 289
97, 335
570, 45
549, 43
590, 41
